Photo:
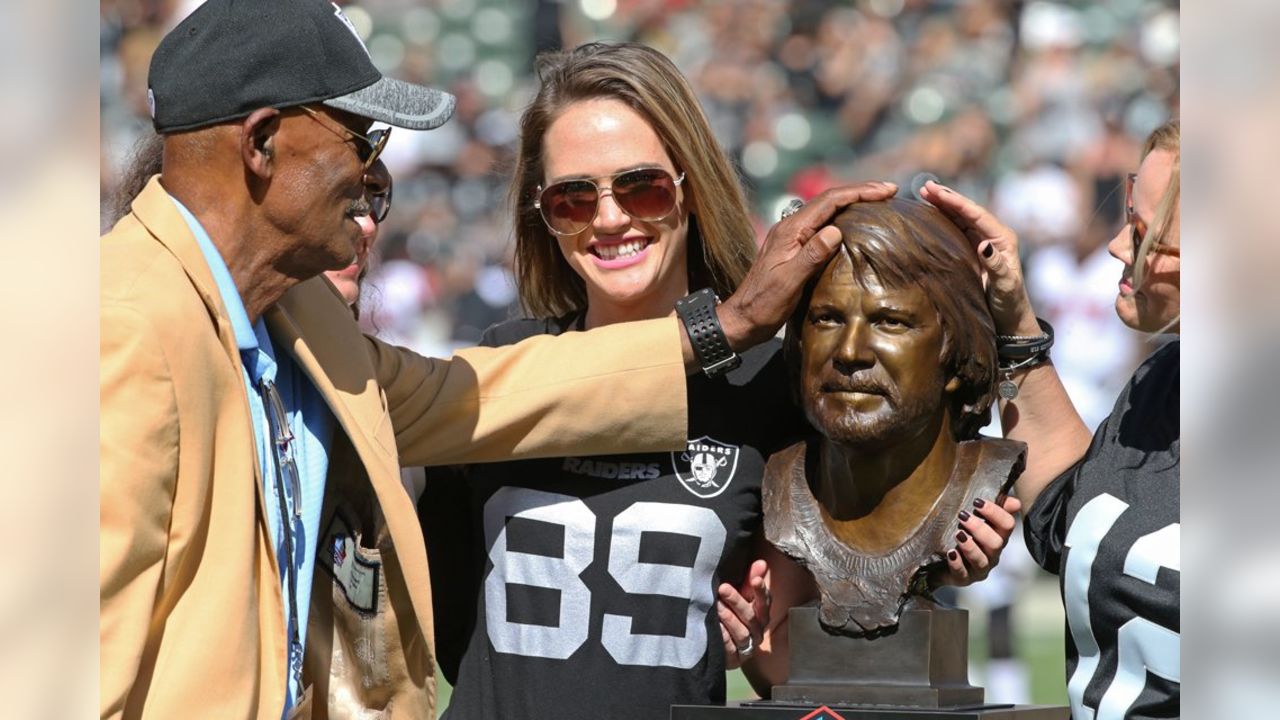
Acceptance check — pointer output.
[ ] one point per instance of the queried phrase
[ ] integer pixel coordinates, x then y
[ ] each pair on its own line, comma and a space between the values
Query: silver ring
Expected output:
792, 208
746, 651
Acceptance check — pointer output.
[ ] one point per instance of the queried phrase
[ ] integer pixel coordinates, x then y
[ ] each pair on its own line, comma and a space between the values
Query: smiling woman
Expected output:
602, 111
589, 587
624, 203
631, 249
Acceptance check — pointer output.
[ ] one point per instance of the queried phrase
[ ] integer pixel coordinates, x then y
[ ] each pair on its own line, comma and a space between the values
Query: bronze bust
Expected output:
892, 354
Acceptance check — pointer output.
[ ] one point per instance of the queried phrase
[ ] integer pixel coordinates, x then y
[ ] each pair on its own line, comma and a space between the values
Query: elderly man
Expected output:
259, 557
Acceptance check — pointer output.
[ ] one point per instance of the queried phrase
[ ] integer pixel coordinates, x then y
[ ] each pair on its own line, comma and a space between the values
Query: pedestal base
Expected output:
918, 672
773, 710
923, 663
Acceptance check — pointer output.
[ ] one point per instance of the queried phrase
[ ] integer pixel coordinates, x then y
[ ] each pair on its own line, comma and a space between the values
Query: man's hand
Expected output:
796, 248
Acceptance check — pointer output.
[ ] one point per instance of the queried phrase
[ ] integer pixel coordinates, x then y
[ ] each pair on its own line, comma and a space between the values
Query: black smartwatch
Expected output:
698, 313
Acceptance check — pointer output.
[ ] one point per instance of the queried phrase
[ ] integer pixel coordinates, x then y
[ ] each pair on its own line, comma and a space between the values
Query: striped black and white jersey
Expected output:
1110, 528
584, 587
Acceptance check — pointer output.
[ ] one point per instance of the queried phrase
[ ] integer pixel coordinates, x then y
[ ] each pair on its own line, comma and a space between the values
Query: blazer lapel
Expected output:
321, 334
155, 210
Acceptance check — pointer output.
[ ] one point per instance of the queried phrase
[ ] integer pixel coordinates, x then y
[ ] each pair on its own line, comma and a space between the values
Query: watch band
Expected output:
698, 313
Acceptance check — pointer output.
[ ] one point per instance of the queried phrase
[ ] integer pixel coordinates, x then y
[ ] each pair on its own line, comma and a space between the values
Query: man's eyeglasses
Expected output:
569, 207
369, 147
379, 197
1137, 227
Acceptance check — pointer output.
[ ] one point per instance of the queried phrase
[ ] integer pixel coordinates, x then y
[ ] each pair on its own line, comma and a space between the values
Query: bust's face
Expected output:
871, 359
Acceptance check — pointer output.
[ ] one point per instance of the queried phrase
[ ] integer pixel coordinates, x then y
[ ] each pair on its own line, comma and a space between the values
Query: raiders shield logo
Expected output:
706, 467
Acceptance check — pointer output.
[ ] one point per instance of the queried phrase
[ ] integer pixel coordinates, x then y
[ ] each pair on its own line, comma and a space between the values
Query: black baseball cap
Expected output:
231, 57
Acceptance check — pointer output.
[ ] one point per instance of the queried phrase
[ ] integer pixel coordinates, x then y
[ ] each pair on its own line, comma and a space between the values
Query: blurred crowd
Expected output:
1036, 108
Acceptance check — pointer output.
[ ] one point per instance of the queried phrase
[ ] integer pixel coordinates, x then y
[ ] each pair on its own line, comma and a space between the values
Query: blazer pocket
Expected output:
356, 571
364, 647
378, 668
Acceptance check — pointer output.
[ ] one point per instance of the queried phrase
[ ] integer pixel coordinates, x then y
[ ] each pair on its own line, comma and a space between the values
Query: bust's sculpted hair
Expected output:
904, 242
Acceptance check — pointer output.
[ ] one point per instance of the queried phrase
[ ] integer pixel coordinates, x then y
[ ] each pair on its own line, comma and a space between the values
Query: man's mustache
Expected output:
859, 383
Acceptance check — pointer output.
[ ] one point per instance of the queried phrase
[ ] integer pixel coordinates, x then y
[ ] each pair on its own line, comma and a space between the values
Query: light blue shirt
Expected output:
312, 424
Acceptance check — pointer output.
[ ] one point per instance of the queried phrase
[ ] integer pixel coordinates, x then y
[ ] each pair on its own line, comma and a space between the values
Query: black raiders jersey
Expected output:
1110, 528
585, 586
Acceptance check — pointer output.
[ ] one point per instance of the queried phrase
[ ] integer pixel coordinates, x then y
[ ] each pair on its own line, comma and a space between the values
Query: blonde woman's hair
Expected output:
1167, 137
721, 240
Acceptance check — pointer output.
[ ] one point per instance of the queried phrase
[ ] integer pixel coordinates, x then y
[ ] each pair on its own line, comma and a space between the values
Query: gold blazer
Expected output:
191, 621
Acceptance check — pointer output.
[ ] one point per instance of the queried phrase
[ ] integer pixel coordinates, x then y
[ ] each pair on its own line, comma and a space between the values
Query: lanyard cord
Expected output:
286, 520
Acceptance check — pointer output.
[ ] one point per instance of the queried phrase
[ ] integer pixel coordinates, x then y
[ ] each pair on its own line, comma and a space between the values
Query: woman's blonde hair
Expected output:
721, 242
1167, 137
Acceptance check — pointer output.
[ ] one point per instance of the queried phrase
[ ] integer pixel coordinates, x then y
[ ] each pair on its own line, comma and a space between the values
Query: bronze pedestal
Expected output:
760, 710
918, 672
924, 663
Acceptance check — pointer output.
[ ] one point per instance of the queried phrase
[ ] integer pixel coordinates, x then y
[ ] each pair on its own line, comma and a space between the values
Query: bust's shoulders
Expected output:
994, 463
788, 456
784, 469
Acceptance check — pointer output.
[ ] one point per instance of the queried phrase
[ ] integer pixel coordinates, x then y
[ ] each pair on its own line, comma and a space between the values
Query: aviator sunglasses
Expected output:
379, 199
369, 147
1138, 228
570, 206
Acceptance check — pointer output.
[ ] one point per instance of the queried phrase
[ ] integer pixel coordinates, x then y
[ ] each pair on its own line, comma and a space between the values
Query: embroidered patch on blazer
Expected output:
341, 556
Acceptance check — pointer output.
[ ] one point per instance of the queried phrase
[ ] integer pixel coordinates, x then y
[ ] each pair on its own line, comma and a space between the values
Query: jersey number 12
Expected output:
1143, 645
